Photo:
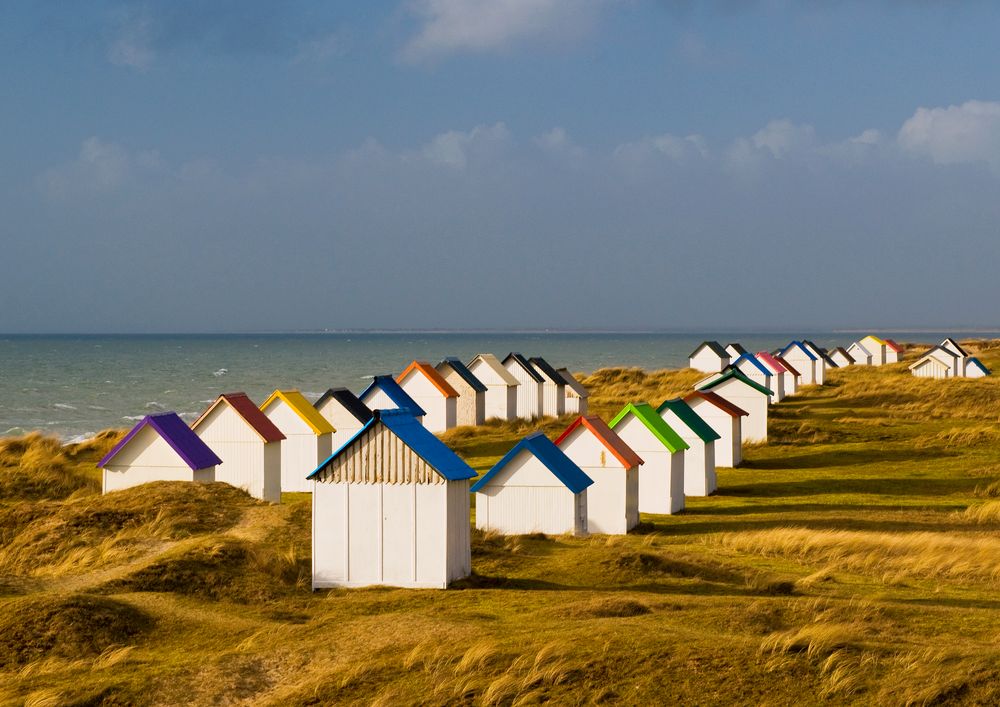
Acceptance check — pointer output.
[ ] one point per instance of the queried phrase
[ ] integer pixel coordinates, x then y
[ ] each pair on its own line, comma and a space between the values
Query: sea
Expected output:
73, 386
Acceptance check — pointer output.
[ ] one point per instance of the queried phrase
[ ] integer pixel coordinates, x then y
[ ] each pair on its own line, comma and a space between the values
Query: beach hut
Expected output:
791, 377
699, 458
529, 389
661, 476
822, 361
501, 386
248, 444
961, 354
391, 507
860, 355
780, 374
746, 394
841, 357
435, 396
754, 369
938, 362
974, 368
308, 437
710, 357
159, 448
345, 411
803, 359
553, 387
613, 500
577, 395
893, 351
727, 421
384, 393
735, 350
876, 347
471, 409
535, 488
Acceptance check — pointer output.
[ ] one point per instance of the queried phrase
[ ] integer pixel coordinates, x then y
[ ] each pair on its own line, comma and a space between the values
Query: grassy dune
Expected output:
854, 559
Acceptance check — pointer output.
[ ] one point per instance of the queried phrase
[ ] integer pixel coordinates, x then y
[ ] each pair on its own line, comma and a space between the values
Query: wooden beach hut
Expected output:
822, 361
974, 368
859, 354
159, 448
791, 377
529, 389
754, 369
308, 437
746, 394
535, 488
345, 411
391, 507
501, 386
661, 476
577, 395
699, 458
841, 357
710, 357
727, 421
961, 354
876, 347
938, 362
435, 396
247, 443
471, 406
780, 375
893, 351
613, 500
802, 359
553, 387
384, 393
735, 350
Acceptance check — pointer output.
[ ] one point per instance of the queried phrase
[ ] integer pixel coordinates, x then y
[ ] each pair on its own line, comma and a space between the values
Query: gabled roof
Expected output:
880, 342
301, 407
955, 345
464, 373
573, 383
523, 363
431, 374
607, 436
889, 343
251, 414
716, 400
928, 357
772, 362
750, 358
690, 418
181, 438
791, 369
348, 400
973, 361
821, 352
645, 413
737, 347
717, 348
397, 395
554, 459
543, 366
730, 374
418, 438
494, 364
857, 345
797, 345
843, 352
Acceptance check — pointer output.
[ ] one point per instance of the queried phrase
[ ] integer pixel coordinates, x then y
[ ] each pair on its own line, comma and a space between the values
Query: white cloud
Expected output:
956, 134
782, 137
132, 45
450, 26
100, 167
672, 147
455, 148
867, 137
558, 142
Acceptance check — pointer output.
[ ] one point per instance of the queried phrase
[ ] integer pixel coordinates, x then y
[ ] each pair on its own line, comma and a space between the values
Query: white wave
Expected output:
133, 418
221, 372
156, 405
79, 439
15, 431
64, 406
97, 407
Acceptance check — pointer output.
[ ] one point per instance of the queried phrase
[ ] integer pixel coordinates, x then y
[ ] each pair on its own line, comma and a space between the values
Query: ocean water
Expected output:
74, 386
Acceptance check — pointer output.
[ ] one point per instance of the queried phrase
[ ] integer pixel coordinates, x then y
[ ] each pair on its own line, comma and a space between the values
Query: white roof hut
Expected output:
345, 411
529, 389
432, 393
960, 355
710, 357
661, 476
754, 369
746, 394
577, 395
841, 357
613, 500
248, 444
699, 458
391, 507
384, 393
471, 408
876, 347
501, 386
803, 360
938, 362
553, 387
159, 448
727, 421
535, 488
859, 354
308, 437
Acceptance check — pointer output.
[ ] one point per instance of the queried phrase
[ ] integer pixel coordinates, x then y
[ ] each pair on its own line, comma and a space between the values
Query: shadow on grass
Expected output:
858, 457
882, 486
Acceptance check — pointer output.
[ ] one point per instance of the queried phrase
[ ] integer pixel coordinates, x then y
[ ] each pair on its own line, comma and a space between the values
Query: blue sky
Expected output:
176, 165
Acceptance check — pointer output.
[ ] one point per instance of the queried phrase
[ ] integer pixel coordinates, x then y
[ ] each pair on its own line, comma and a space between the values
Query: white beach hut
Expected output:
345, 412
859, 354
938, 362
735, 350
961, 354
727, 421
754, 369
613, 500
435, 396
384, 393
391, 507
974, 368
803, 360
876, 347
501, 386
841, 357
308, 437
577, 395
893, 351
553, 387
822, 362
535, 488
471, 408
791, 377
746, 394
661, 476
529, 389
781, 377
710, 357
159, 448
248, 444
699, 457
